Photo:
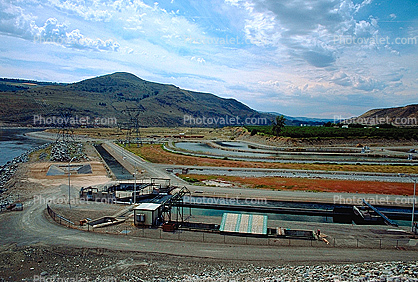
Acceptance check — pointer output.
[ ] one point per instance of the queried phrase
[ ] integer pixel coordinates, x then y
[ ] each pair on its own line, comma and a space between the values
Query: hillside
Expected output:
109, 96
399, 116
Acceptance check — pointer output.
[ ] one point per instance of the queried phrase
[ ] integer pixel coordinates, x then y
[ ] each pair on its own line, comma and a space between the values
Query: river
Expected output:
14, 142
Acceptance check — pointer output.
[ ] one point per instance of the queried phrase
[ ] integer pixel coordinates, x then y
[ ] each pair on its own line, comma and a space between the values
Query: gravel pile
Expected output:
64, 152
60, 263
376, 271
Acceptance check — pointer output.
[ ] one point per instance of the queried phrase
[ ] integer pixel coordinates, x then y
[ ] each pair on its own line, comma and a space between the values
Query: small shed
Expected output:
146, 214
244, 224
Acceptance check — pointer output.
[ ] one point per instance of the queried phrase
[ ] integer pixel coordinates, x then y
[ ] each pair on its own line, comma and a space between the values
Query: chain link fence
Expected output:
204, 236
60, 219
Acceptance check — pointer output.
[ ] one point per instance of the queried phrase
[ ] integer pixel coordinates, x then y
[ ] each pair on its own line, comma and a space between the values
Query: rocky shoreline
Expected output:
8, 170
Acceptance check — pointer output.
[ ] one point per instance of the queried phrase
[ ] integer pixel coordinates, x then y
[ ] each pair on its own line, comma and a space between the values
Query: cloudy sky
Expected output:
317, 58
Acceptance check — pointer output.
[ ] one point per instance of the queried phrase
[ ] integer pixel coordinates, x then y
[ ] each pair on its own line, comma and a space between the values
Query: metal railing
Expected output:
58, 218
125, 229
216, 237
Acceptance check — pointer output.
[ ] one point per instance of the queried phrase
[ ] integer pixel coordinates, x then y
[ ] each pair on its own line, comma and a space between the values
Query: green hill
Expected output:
109, 96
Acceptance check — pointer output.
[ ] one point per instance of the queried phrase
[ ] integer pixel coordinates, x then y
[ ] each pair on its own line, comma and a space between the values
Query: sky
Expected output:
310, 58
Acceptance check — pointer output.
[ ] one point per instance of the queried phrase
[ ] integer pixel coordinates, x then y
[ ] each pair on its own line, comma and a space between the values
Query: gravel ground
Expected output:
42, 263
353, 176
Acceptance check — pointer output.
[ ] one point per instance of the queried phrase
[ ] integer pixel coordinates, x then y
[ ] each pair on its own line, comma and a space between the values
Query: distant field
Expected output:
156, 154
154, 132
331, 132
308, 185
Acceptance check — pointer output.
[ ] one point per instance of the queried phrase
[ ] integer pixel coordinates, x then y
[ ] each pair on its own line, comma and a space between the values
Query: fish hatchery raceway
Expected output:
35, 248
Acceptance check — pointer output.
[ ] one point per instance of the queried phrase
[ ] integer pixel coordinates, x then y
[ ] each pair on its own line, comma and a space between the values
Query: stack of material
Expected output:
244, 224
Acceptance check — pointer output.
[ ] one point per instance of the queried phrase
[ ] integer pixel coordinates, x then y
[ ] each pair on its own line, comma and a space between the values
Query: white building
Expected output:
146, 214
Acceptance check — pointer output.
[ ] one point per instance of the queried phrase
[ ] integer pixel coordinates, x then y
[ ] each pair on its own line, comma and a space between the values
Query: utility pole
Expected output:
69, 181
413, 206
135, 186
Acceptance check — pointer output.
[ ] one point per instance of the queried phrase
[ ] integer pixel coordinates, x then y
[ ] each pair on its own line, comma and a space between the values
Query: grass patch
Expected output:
41, 155
317, 132
188, 179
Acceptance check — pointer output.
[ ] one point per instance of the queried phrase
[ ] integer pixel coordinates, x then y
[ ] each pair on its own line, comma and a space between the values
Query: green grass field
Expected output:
331, 132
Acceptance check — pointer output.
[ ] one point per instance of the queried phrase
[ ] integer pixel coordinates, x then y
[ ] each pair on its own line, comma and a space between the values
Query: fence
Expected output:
216, 237
59, 219
125, 229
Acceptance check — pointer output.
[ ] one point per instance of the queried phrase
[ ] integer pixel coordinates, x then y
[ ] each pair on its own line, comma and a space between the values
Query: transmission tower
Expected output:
65, 129
125, 126
133, 132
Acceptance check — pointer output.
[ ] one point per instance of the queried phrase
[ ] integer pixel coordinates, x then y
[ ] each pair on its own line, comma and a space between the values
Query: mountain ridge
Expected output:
398, 116
114, 95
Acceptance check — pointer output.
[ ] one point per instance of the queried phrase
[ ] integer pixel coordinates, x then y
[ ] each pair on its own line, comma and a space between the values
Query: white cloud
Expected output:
16, 22
13, 19
199, 60
368, 84
342, 79
287, 58
305, 29
261, 28
54, 32
270, 83
88, 10
364, 29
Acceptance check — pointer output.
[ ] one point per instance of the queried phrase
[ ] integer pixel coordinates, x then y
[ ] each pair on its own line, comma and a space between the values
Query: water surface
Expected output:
14, 142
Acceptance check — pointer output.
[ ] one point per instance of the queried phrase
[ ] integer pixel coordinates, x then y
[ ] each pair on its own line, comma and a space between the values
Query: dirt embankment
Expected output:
244, 135
310, 185
156, 154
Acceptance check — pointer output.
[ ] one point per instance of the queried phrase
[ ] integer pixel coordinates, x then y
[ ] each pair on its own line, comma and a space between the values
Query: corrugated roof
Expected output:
244, 223
147, 207
161, 199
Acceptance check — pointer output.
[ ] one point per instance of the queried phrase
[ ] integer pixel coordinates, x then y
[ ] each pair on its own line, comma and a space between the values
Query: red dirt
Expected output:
314, 185
156, 154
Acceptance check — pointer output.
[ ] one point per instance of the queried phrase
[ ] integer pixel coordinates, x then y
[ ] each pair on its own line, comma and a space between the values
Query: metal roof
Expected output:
147, 207
244, 223
161, 199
